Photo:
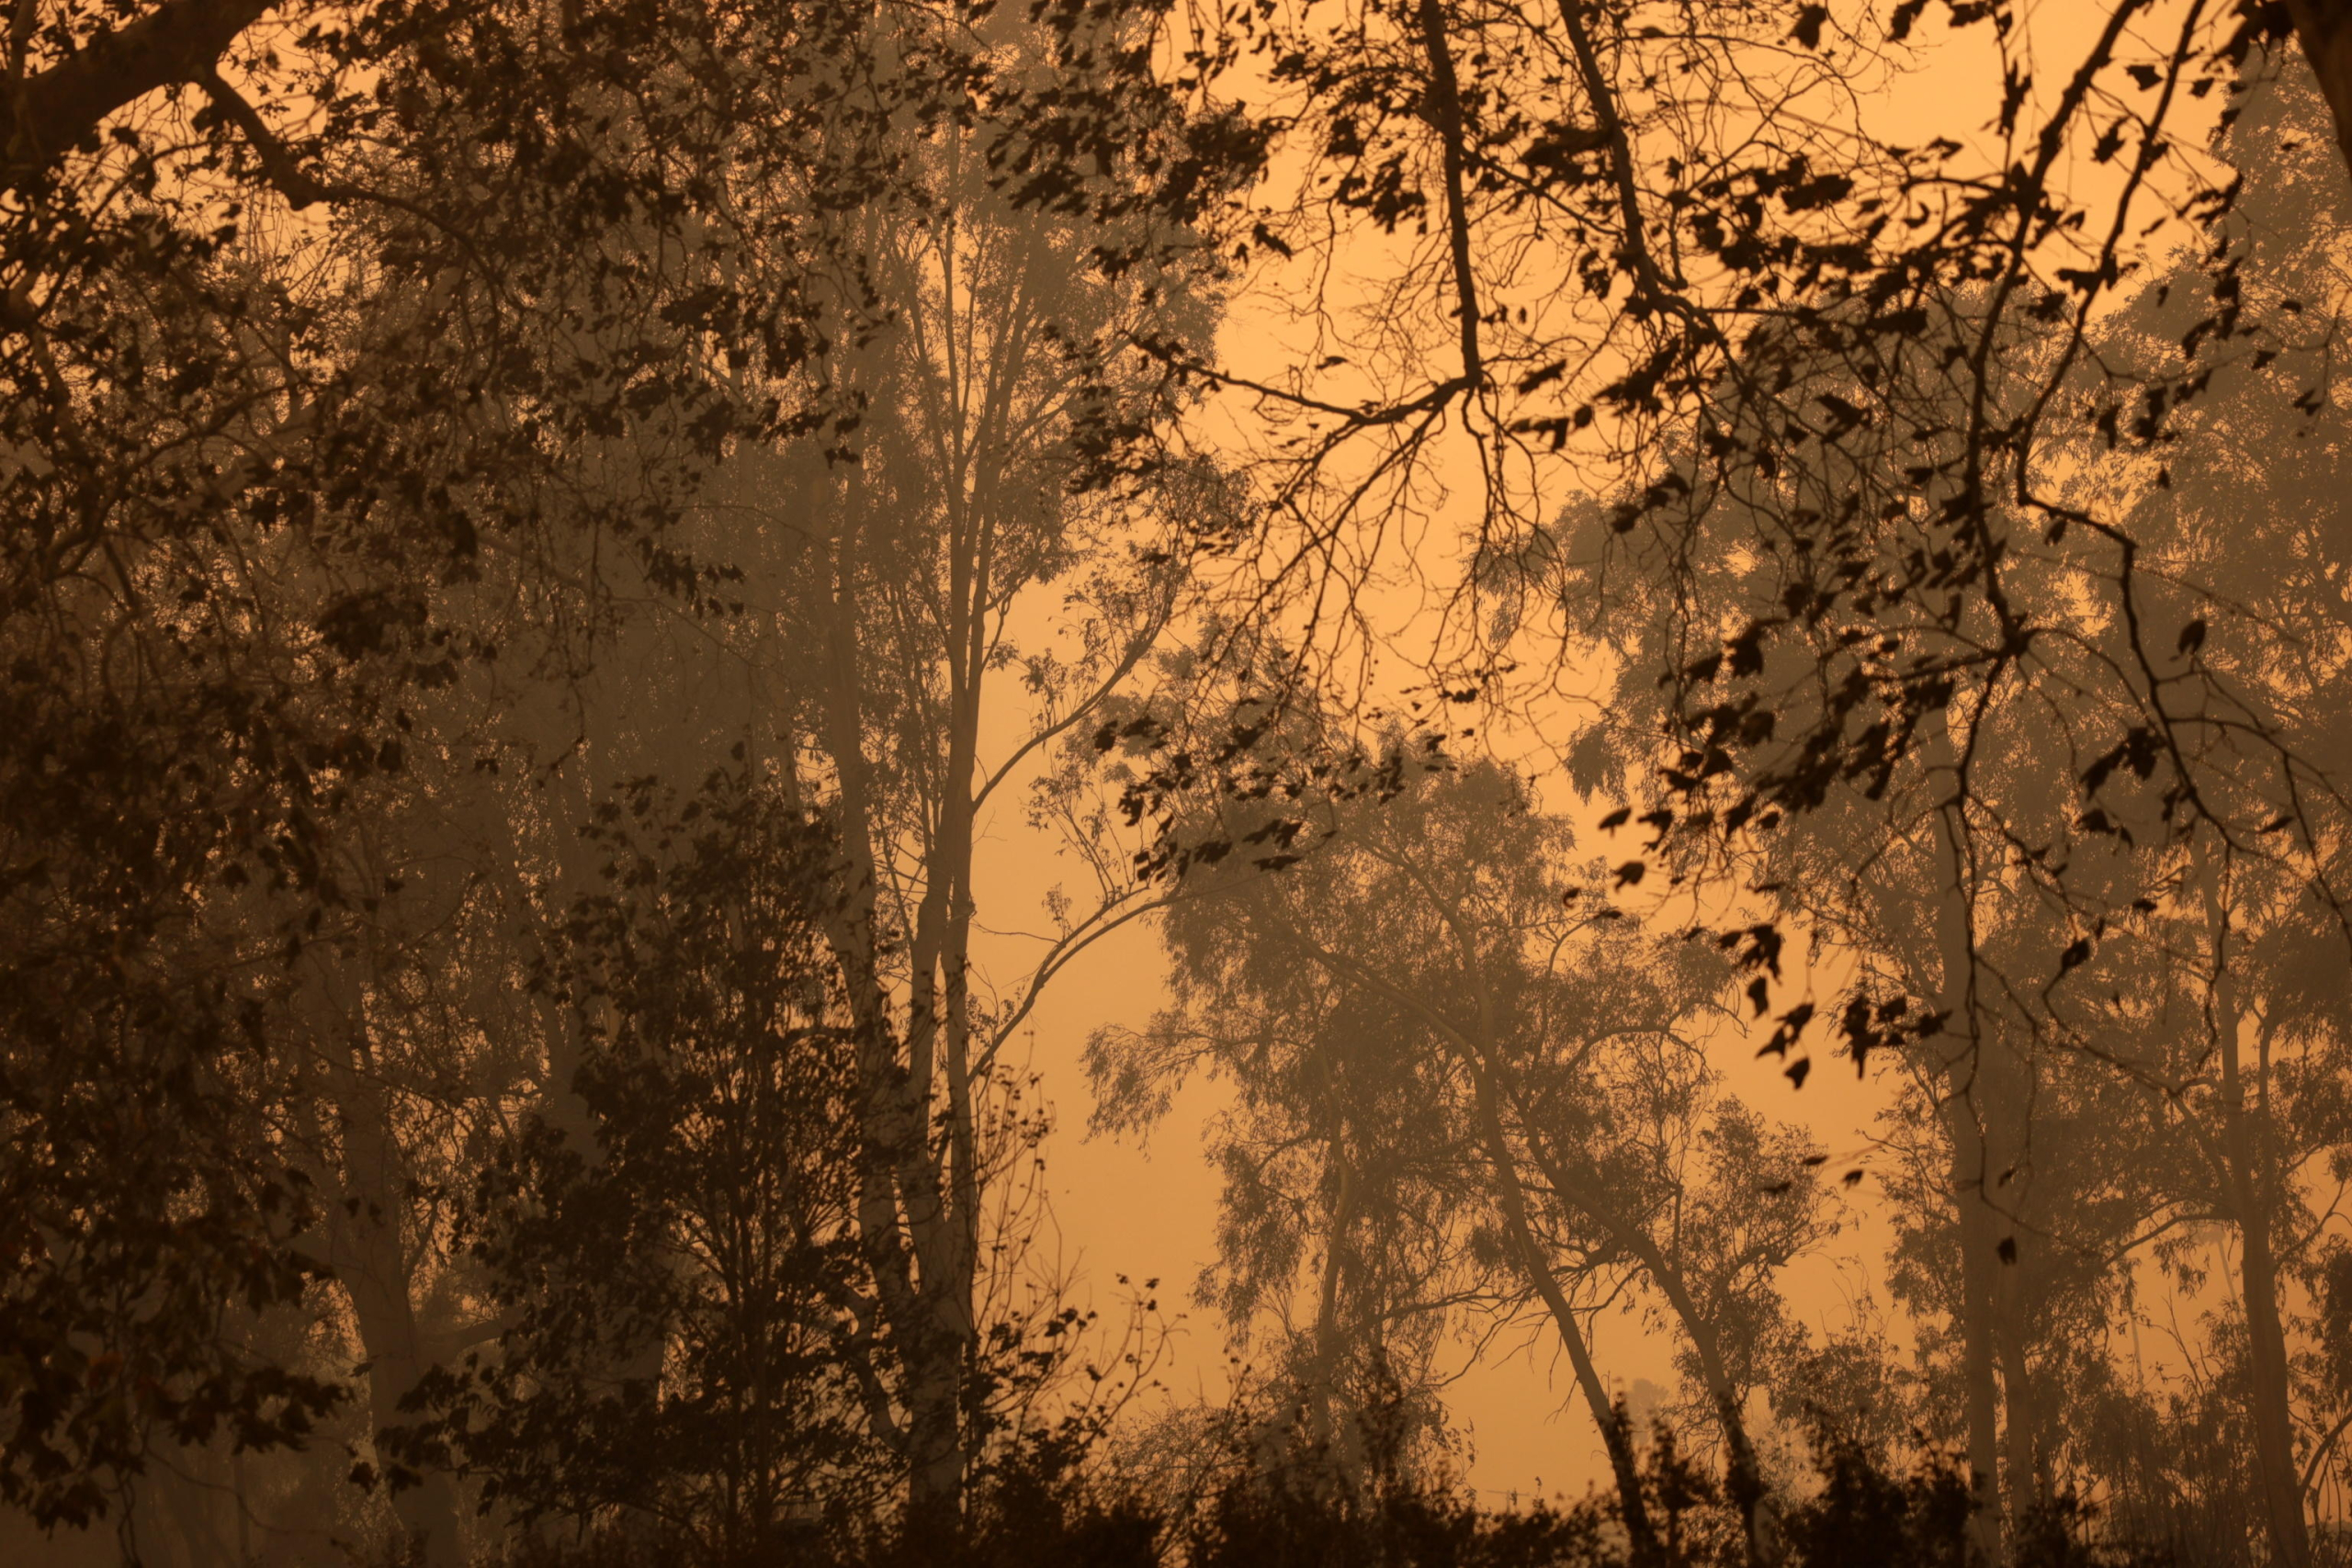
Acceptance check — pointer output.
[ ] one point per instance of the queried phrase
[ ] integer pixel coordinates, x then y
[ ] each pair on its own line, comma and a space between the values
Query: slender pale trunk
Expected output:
1475, 1053
1537, 1266
1979, 1258
2008, 1111
949, 868
2252, 1199
1744, 1478
1325, 1376
376, 1269
568, 1025
939, 1029
904, 1229
2002, 1090
945, 1224
1978, 1224
2020, 1425
934, 1350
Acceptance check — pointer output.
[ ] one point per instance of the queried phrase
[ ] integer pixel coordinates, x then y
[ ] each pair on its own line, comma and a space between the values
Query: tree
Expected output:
408, 404
299, 499
235, 486
684, 1295
1422, 1031
1732, 325
2042, 899
914, 565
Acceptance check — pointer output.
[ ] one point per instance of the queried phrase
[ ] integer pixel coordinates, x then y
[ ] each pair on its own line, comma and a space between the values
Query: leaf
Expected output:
2008, 1249
1808, 29
1798, 1069
1271, 239
1847, 414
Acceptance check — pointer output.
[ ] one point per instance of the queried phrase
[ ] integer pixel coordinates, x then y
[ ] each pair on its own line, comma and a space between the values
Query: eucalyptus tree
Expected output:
1868, 371
2040, 1133
2246, 546
2023, 901
903, 620
1666, 254
1342, 1165
1436, 1015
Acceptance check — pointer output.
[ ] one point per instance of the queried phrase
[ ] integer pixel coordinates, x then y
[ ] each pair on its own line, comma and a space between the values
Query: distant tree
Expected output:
1435, 1017
681, 1292
981, 560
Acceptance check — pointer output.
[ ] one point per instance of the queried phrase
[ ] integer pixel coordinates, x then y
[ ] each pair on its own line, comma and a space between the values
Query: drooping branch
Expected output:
276, 160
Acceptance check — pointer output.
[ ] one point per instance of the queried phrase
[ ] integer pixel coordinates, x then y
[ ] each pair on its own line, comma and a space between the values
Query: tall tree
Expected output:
925, 676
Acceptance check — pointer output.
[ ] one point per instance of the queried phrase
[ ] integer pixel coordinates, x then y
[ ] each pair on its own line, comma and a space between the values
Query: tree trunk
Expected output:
936, 1353
2004, 1096
2274, 1441
903, 1229
1979, 1252
178, 41
1961, 1043
2324, 30
375, 1271
1324, 1376
2026, 1488
2251, 1195
1641, 1537
1475, 1054
1744, 1478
